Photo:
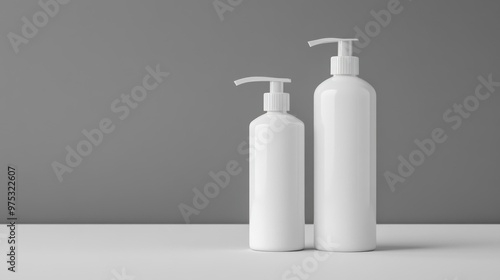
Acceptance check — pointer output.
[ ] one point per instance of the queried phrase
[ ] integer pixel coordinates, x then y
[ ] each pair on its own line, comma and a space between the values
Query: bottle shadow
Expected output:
393, 247
406, 247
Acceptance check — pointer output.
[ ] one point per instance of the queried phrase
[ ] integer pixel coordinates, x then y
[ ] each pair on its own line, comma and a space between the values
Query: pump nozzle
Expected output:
344, 63
275, 99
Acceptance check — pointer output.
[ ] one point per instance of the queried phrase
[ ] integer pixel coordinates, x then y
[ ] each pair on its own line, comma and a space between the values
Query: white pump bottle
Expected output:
276, 149
344, 156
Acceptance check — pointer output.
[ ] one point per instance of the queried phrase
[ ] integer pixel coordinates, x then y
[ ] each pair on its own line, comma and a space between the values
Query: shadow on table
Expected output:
396, 247
404, 247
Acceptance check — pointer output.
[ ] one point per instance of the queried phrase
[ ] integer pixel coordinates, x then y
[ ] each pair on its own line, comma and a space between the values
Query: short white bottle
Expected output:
276, 173
344, 156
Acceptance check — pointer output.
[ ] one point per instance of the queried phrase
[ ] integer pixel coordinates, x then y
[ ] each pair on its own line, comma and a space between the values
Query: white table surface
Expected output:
147, 252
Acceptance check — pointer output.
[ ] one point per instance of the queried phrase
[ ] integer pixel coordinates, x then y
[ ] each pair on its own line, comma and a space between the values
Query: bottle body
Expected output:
276, 183
345, 165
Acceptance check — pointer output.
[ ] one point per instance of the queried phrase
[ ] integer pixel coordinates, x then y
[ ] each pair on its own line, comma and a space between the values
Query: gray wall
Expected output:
65, 78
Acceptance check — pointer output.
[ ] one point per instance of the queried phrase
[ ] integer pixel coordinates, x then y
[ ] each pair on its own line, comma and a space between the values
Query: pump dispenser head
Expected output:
275, 99
344, 63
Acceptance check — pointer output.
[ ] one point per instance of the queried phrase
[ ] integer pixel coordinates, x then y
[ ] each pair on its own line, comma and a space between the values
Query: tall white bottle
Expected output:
344, 156
276, 173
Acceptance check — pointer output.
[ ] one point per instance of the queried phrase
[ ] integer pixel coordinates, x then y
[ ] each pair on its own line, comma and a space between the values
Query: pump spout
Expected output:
344, 45
344, 63
275, 99
275, 82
